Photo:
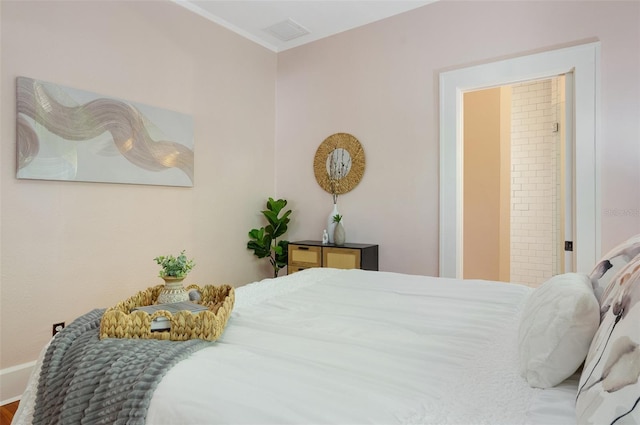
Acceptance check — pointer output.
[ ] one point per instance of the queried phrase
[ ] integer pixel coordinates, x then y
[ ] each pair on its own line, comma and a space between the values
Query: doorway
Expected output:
583, 61
514, 181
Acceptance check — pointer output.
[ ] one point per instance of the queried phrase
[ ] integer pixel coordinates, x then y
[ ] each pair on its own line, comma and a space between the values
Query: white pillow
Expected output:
558, 323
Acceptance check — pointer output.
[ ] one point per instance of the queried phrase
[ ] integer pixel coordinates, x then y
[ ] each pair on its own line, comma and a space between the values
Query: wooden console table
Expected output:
307, 254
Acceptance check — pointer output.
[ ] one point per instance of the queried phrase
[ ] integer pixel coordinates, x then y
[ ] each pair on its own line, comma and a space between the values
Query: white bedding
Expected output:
326, 346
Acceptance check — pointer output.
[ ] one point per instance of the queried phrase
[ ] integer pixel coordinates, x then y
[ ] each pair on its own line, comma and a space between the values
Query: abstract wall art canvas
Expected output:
69, 134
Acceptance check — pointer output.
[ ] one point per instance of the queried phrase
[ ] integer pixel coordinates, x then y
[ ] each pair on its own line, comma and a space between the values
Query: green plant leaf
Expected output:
280, 230
257, 233
285, 216
276, 206
259, 250
271, 217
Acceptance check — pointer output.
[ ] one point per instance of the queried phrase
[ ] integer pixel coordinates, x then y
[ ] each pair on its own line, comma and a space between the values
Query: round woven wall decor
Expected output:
340, 156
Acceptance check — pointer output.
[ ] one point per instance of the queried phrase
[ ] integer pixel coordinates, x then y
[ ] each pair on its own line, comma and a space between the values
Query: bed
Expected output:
328, 346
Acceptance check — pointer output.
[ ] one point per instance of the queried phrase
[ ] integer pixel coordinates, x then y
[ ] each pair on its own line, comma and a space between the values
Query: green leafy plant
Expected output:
337, 218
174, 266
264, 241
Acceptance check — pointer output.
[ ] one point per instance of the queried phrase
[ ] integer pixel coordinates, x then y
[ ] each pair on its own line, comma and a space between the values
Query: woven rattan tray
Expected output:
121, 322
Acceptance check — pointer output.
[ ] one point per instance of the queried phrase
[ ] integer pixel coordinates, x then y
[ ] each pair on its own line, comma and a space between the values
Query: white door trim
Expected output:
583, 60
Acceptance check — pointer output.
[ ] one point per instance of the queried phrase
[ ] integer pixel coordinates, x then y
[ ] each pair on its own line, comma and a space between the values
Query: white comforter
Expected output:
327, 346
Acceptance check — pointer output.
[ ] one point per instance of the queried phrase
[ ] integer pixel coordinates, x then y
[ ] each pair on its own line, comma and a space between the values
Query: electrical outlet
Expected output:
57, 327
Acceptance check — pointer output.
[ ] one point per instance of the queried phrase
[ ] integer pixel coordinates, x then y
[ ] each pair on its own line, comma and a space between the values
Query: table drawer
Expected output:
293, 269
305, 256
341, 258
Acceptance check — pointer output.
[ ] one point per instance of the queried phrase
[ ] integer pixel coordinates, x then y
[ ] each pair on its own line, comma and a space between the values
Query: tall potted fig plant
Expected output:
264, 241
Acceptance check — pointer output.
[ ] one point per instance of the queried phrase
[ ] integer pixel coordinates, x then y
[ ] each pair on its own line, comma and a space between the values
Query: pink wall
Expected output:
70, 247
380, 83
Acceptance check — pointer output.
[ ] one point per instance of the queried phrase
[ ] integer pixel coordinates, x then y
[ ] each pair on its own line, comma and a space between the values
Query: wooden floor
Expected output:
7, 411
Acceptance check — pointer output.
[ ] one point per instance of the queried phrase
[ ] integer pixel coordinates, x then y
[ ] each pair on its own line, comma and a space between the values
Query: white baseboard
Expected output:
13, 381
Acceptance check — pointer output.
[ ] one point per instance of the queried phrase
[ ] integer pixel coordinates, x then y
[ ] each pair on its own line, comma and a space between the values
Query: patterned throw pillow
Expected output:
612, 263
609, 389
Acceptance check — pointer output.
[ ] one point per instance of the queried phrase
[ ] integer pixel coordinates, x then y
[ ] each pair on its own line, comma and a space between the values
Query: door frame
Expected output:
584, 62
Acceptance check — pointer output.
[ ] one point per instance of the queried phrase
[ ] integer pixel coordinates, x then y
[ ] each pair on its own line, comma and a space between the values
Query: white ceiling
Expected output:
321, 18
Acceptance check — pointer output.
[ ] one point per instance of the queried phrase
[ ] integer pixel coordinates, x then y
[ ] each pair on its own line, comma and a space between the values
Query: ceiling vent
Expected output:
287, 30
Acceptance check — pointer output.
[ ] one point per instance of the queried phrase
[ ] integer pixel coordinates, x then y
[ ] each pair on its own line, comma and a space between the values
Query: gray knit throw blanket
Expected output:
91, 381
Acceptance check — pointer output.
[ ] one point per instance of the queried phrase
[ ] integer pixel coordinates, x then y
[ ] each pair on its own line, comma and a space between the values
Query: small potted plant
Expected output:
173, 270
339, 235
